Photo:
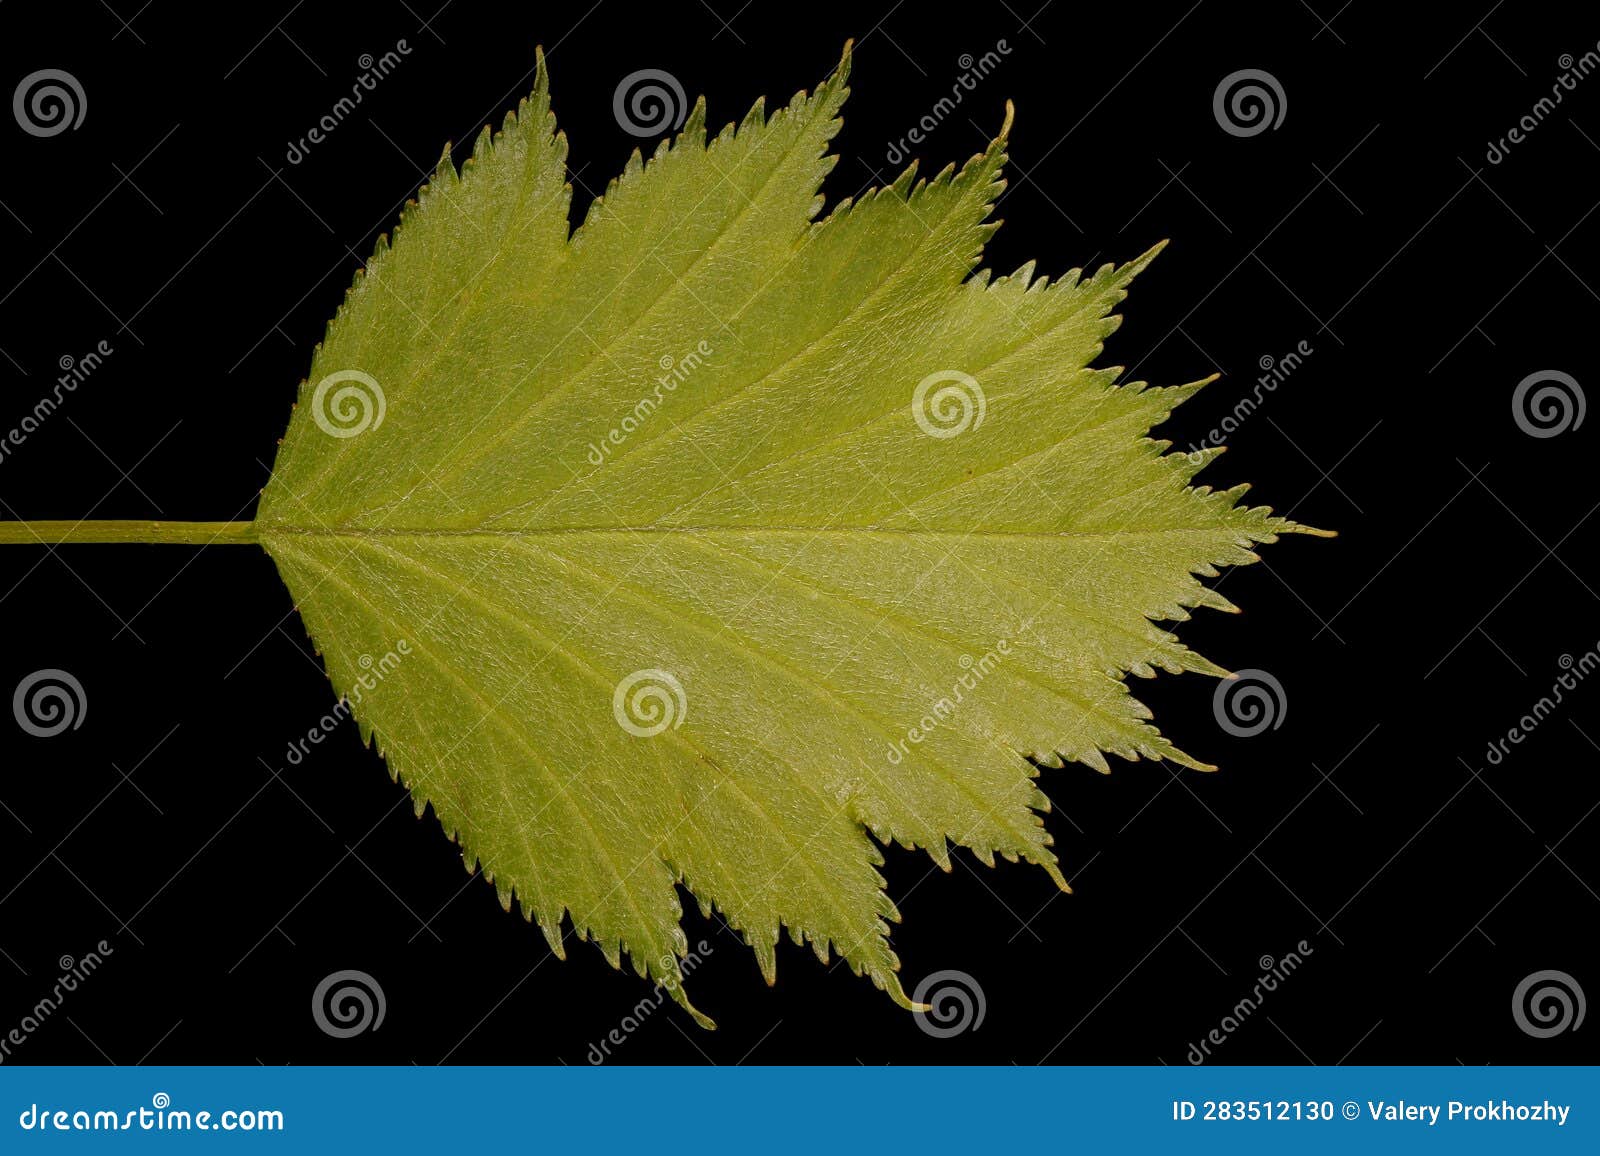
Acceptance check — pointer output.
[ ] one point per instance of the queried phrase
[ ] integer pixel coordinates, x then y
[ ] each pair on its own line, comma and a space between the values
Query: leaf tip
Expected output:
699, 1016
1138, 265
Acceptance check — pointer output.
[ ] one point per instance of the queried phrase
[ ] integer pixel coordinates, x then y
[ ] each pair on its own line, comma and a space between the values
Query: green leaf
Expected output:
717, 545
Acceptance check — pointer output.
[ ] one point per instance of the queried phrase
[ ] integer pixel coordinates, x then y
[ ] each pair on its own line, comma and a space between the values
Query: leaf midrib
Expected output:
267, 530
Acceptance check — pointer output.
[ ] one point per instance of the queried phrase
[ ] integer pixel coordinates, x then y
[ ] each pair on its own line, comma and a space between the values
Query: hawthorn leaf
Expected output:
718, 543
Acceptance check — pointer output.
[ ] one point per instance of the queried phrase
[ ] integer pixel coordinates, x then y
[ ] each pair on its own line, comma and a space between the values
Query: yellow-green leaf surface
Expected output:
718, 541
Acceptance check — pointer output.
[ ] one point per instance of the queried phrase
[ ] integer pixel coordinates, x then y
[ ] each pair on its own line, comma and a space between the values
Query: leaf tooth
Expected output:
668, 976
1093, 757
1131, 269
693, 133
444, 177
890, 984
945, 176
902, 184
1200, 664
1209, 597
766, 956
481, 148
541, 73
700, 1017
610, 948
550, 928
758, 114
885, 906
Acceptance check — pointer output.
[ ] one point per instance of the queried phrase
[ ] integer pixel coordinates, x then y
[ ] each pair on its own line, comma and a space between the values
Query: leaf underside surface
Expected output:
832, 628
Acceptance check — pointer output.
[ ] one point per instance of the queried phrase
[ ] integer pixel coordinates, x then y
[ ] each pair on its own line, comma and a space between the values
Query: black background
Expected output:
1368, 224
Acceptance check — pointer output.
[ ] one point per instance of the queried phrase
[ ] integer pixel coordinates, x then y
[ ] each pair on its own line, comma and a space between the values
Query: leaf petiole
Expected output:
150, 533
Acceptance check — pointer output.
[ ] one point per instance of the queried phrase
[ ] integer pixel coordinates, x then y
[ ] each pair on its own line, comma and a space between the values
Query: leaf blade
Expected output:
861, 622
